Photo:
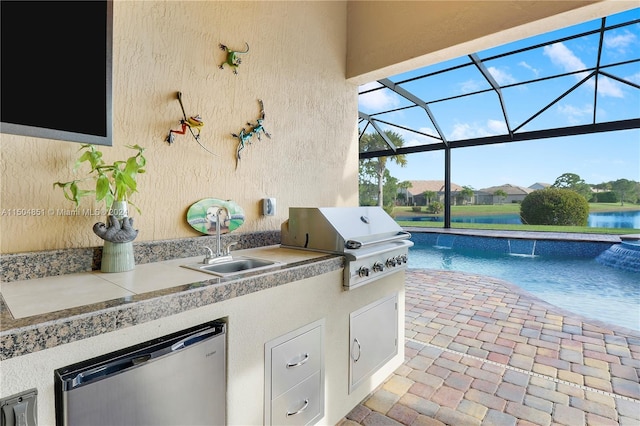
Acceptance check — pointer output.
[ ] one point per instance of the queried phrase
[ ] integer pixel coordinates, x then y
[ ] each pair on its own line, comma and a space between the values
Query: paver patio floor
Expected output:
481, 351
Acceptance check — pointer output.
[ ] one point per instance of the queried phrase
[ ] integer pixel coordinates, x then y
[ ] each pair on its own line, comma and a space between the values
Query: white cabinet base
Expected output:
373, 331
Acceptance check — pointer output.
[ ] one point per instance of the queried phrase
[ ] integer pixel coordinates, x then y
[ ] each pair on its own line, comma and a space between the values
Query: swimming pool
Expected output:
564, 274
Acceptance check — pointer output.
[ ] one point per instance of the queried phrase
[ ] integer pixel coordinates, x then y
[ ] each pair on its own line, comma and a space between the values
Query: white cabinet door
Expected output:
374, 338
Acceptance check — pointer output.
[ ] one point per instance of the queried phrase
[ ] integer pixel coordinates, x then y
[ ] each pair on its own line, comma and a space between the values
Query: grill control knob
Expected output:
378, 267
363, 271
401, 259
391, 262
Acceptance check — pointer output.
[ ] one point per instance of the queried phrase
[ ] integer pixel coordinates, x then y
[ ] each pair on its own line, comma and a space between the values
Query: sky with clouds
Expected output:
596, 157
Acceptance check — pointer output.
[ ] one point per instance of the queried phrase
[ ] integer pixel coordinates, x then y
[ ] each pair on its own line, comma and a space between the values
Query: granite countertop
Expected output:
42, 313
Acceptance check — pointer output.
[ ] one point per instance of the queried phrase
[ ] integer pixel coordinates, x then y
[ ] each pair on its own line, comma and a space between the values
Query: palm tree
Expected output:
428, 196
378, 166
404, 187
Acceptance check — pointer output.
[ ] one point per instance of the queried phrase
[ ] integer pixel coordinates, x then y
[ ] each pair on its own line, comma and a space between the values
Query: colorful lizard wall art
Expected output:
232, 60
255, 129
193, 123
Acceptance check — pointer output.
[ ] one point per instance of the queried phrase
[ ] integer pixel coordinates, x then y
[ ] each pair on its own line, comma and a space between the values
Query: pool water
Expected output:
578, 284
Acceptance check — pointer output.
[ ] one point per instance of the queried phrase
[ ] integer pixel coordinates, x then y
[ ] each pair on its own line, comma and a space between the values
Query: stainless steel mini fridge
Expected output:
178, 379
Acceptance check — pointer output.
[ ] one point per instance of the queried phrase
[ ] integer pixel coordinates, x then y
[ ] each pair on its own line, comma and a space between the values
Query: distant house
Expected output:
539, 185
515, 194
415, 195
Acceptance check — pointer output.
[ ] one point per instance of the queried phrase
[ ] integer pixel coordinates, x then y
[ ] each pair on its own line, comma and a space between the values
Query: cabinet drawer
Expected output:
300, 405
295, 360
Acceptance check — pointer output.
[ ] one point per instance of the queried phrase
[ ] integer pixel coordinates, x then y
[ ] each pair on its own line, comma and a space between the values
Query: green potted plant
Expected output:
112, 184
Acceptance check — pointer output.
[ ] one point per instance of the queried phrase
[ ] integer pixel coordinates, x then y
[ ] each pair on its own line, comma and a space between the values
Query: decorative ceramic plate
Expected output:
202, 216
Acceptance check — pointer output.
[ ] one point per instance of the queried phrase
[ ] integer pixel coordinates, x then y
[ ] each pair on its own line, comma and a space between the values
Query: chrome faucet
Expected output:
220, 254
209, 258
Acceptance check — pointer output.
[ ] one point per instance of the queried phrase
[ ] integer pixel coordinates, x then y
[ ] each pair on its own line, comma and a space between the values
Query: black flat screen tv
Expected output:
56, 70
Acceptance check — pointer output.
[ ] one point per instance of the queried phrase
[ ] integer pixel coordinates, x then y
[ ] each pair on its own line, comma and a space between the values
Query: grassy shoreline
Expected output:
500, 209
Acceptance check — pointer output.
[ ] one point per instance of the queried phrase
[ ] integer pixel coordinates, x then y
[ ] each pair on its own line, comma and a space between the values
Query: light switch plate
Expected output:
20, 409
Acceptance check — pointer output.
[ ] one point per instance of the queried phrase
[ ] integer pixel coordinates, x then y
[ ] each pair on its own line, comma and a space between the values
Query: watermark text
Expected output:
41, 212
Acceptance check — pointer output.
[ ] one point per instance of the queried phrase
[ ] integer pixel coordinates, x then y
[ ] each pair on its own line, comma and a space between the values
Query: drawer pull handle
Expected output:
298, 364
304, 407
359, 350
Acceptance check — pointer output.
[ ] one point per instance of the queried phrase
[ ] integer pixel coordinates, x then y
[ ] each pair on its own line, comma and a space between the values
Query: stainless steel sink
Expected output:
234, 266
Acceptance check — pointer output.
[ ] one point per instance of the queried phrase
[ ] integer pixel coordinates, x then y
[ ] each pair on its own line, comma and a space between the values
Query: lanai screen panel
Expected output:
575, 81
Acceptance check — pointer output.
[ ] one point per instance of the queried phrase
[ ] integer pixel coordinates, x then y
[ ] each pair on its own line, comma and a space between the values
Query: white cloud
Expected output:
575, 111
620, 42
574, 114
369, 86
468, 131
634, 78
497, 127
377, 100
535, 71
415, 139
608, 87
428, 130
502, 77
462, 131
469, 86
564, 58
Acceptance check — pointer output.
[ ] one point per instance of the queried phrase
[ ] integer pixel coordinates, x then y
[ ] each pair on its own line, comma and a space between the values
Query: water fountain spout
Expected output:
522, 247
445, 241
625, 255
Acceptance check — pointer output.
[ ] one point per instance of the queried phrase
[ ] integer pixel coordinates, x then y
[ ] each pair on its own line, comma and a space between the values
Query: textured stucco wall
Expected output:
296, 65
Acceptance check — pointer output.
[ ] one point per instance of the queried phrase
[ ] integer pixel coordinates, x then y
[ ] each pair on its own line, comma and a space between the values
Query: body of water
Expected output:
579, 285
626, 219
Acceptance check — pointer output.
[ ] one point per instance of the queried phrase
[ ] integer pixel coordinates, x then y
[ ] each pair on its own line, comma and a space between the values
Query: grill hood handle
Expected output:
355, 244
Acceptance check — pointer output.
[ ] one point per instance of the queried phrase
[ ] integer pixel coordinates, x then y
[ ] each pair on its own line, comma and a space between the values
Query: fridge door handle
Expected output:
107, 369
195, 338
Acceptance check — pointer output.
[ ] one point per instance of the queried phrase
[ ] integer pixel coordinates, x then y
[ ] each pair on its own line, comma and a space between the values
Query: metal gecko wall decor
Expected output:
193, 123
256, 129
232, 59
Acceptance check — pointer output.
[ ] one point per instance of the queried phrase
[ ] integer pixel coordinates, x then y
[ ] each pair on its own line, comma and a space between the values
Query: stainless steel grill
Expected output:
372, 242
